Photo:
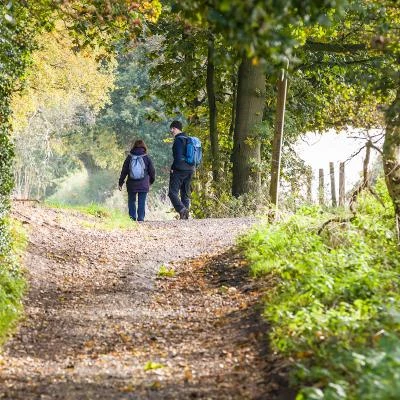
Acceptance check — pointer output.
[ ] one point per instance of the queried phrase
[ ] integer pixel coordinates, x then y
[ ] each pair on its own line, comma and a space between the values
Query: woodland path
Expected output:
99, 320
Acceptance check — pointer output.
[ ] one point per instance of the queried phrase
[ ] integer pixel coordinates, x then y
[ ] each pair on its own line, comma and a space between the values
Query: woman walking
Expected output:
139, 169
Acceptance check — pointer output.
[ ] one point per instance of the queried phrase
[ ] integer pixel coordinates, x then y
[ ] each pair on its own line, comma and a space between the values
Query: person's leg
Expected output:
175, 181
185, 189
132, 205
141, 205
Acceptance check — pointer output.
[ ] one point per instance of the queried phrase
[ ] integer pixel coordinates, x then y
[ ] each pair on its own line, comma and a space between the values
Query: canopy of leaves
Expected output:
260, 28
351, 65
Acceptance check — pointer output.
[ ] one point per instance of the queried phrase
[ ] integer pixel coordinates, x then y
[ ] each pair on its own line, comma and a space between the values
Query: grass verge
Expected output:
106, 218
12, 281
335, 307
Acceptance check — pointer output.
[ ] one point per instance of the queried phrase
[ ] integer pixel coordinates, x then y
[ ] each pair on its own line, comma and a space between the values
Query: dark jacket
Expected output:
178, 151
142, 185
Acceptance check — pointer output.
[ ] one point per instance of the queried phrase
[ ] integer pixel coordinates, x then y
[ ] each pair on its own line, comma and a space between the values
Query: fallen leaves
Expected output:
100, 320
151, 365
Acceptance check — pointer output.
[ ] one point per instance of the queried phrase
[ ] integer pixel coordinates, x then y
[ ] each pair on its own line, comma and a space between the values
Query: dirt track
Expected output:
100, 324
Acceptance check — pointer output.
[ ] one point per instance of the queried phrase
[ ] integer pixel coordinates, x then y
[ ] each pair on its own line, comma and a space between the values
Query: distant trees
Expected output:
78, 112
63, 90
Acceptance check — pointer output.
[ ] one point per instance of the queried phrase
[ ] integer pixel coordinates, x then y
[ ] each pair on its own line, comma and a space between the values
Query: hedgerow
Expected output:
12, 281
335, 308
17, 32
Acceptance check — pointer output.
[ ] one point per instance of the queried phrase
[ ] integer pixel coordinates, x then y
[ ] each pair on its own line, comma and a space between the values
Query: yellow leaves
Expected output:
90, 344
187, 374
255, 61
151, 365
125, 338
164, 271
59, 76
151, 10
301, 355
128, 388
155, 385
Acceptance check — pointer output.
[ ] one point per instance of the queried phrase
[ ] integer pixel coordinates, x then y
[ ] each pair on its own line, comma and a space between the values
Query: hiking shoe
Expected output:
184, 213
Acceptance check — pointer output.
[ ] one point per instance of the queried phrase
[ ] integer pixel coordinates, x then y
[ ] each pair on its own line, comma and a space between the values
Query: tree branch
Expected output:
334, 47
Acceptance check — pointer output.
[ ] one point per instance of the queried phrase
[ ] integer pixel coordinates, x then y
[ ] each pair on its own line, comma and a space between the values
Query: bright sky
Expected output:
317, 150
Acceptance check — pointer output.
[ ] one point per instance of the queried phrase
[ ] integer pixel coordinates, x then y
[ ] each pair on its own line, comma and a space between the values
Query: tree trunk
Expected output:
233, 110
249, 111
233, 117
391, 157
88, 162
278, 136
212, 106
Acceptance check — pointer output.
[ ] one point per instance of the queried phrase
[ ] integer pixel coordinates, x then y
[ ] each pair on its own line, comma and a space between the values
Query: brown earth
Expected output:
101, 324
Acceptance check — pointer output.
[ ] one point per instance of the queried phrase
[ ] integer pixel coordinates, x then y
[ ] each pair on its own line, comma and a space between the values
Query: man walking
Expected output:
181, 172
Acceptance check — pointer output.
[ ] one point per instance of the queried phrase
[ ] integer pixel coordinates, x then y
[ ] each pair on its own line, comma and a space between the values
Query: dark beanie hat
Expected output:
176, 124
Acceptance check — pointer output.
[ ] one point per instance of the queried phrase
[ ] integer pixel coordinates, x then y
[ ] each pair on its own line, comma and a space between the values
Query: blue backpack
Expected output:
193, 152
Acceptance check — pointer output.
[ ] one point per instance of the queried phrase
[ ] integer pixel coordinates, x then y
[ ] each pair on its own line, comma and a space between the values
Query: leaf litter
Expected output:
101, 324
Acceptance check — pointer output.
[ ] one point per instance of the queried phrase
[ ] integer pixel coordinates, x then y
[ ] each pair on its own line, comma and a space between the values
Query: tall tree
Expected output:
212, 106
263, 34
391, 155
249, 113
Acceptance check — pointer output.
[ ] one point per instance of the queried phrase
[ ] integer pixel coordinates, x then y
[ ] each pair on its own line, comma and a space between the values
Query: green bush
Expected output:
335, 308
12, 282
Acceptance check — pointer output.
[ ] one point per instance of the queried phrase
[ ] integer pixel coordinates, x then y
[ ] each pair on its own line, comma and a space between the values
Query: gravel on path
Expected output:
101, 324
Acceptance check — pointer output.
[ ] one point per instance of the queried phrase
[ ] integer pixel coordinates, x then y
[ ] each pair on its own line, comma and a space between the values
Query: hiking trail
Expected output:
101, 324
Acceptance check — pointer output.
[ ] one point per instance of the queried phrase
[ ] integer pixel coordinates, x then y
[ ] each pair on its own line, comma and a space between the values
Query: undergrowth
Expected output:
223, 204
335, 308
12, 282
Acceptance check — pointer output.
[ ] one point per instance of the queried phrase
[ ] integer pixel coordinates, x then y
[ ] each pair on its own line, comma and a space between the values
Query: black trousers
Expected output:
179, 189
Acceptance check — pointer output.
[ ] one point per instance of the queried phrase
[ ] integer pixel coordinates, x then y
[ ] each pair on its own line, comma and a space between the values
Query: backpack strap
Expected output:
185, 139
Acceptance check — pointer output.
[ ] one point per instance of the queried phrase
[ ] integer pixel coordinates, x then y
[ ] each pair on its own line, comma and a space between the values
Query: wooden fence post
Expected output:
342, 185
321, 188
333, 186
366, 174
309, 185
278, 137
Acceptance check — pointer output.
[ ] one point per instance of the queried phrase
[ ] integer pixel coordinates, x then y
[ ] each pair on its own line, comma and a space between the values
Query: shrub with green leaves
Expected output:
335, 307
12, 282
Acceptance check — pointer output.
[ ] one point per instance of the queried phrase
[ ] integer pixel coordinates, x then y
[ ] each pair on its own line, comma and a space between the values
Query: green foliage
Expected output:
354, 68
105, 218
17, 30
151, 365
108, 23
136, 113
335, 304
213, 203
165, 272
260, 28
12, 282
